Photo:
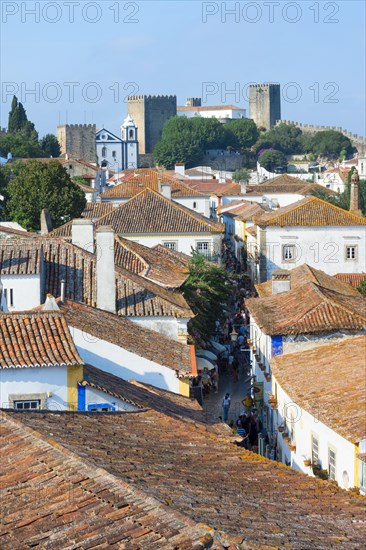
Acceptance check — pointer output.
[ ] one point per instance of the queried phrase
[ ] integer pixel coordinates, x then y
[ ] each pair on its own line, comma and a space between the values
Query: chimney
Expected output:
106, 281
50, 304
281, 281
46, 222
180, 169
166, 190
82, 234
355, 200
243, 187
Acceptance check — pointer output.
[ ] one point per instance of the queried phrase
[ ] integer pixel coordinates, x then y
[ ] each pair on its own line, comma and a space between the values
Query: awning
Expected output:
219, 347
207, 354
204, 364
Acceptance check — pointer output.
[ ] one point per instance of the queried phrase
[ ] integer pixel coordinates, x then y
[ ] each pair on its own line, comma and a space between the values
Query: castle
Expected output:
150, 113
77, 141
265, 104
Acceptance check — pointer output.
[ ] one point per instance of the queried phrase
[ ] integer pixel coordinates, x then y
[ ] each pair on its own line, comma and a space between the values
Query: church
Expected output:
116, 153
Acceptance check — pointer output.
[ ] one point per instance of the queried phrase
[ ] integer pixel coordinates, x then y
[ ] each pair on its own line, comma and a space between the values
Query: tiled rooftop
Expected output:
154, 264
312, 381
245, 212
316, 303
40, 339
95, 210
141, 179
18, 258
145, 396
11, 232
52, 498
354, 279
303, 274
151, 213
188, 468
128, 335
309, 212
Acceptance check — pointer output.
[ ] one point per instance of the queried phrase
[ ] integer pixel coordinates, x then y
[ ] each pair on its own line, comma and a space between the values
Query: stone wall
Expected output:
78, 141
265, 104
150, 114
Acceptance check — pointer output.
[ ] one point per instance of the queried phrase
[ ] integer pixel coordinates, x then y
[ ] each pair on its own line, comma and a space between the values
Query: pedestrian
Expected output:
226, 406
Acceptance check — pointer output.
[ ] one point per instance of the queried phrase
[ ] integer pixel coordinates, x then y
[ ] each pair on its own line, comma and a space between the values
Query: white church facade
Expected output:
118, 153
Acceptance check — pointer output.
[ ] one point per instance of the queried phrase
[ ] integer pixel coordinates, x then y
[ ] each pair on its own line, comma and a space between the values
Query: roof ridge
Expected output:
143, 261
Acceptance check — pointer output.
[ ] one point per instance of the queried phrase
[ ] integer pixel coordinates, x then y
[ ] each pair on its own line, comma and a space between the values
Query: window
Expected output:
203, 248
314, 449
194, 205
331, 463
130, 134
27, 405
114, 154
288, 252
101, 407
9, 297
104, 151
362, 474
351, 252
172, 245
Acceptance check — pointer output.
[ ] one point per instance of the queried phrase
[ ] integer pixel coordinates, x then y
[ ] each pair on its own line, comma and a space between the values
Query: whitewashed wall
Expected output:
97, 397
184, 242
122, 363
35, 380
173, 328
27, 291
320, 247
305, 424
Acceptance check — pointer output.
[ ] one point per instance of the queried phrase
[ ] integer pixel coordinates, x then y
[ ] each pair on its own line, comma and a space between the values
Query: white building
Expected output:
312, 231
298, 311
22, 273
319, 405
118, 153
35, 372
221, 112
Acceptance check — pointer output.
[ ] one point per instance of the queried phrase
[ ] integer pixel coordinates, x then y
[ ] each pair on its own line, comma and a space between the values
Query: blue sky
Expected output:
81, 65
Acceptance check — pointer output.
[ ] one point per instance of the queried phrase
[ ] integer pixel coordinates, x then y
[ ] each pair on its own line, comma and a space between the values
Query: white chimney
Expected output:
62, 290
166, 190
180, 169
106, 281
243, 187
281, 281
82, 234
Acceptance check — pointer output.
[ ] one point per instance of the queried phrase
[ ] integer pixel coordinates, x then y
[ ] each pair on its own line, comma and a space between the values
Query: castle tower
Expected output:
355, 200
78, 141
129, 135
265, 104
150, 113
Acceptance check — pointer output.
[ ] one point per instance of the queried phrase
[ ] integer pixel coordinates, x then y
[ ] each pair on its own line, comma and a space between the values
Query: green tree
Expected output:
330, 144
17, 120
241, 133
209, 132
284, 137
362, 287
40, 185
270, 159
205, 289
50, 146
241, 175
20, 145
343, 199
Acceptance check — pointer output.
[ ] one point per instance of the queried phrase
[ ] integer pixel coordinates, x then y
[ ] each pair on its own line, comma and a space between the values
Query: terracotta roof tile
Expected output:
151, 213
133, 184
188, 467
144, 395
39, 339
130, 336
15, 232
340, 403
56, 499
303, 274
310, 211
95, 210
353, 279
316, 303
16, 258
154, 264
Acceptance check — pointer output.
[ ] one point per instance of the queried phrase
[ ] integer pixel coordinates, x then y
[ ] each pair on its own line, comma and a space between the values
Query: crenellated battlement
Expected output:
147, 97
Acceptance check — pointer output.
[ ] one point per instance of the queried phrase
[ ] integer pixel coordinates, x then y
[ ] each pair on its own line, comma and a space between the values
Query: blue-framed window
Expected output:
102, 407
